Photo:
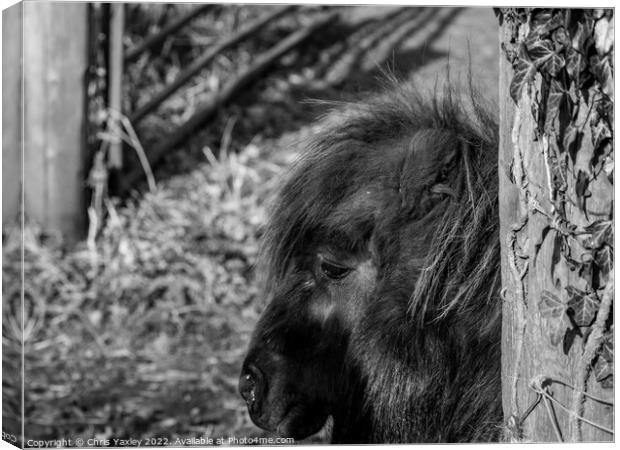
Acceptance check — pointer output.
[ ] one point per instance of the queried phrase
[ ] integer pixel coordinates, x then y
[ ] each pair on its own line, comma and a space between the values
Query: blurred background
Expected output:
154, 136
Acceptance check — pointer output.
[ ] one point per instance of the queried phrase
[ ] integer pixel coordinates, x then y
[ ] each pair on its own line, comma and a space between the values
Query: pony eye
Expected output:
334, 271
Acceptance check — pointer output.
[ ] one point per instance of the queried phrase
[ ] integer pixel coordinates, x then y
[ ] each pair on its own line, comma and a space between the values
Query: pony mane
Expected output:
398, 112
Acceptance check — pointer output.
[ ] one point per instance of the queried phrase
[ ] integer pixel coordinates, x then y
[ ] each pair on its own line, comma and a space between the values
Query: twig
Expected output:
589, 352
226, 136
144, 161
550, 186
203, 60
98, 181
115, 153
537, 384
517, 167
530, 408
157, 38
112, 213
519, 302
93, 227
576, 416
132, 139
553, 419
590, 396
228, 92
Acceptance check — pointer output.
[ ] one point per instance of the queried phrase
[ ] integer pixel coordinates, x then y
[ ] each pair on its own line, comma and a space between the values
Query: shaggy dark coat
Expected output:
406, 188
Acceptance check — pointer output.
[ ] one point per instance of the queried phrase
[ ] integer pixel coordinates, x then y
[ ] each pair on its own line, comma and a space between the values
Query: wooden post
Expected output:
11, 114
55, 58
556, 202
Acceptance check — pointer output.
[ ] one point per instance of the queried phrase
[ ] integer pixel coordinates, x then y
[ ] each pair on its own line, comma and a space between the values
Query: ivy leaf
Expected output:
572, 141
550, 305
601, 233
604, 36
581, 190
540, 51
582, 38
554, 100
600, 133
558, 243
571, 263
554, 64
575, 64
583, 305
543, 55
600, 157
524, 71
603, 258
608, 383
586, 272
544, 21
569, 339
605, 109
602, 71
557, 164
561, 38
554, 311
586, 333
603, 370
511, 51
558, 329
499, 14
539, 242
606, 351
594, 14
608, 167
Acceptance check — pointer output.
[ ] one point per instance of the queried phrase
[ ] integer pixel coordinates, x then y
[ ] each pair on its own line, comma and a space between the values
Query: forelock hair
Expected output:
342, 156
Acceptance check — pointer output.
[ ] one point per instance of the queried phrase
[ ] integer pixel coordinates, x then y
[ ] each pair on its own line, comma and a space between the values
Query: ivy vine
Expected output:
571, 52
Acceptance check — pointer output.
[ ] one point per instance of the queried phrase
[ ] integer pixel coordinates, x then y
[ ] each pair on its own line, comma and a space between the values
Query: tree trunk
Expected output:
556, 223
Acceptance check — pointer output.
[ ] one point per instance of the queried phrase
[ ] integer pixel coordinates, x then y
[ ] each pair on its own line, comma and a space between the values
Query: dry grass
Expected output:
143, 335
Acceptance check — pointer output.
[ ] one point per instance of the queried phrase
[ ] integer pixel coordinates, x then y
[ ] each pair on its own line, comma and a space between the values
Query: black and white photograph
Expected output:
282, 224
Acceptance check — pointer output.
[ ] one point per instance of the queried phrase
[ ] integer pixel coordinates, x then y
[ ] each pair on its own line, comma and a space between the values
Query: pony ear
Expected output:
431, 172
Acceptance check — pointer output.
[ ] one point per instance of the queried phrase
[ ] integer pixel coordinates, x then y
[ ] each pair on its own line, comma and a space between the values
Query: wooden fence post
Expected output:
55, 61
11, 113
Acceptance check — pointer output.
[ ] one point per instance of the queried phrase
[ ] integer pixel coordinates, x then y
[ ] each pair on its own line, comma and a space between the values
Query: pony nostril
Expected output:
247, 387
250, 384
